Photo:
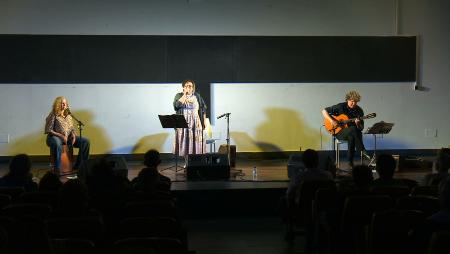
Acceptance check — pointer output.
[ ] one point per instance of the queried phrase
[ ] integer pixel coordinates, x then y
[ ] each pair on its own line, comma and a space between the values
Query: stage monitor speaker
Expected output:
211, 166
223, 150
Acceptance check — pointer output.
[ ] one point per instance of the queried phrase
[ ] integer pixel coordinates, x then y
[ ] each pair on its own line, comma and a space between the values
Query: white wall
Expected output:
416, 114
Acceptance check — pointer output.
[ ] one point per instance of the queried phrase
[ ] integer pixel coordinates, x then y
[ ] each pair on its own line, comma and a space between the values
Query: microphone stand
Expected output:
80, 124
227, 115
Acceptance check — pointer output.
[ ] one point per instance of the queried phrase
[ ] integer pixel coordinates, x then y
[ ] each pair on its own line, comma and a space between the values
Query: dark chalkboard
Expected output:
206, 59
150, 59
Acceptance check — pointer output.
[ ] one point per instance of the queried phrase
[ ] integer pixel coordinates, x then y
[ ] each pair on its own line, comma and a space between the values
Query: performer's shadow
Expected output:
283, 130
97, 135
155, 141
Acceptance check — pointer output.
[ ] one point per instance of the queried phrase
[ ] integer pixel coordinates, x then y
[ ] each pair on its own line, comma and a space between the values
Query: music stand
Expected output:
378, 128
173, 121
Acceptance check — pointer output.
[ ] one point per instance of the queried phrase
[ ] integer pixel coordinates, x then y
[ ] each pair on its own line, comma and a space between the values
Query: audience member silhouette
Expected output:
439, 221
442, 167
19, 174
362, 179
73, 199
149, 180
50, 182
108, 191
385, 168
310, 159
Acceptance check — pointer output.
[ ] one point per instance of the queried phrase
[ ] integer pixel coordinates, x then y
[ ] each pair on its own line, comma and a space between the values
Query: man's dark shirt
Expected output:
342, 108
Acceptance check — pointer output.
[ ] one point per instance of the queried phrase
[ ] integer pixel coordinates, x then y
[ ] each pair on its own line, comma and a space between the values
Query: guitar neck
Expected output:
354, 119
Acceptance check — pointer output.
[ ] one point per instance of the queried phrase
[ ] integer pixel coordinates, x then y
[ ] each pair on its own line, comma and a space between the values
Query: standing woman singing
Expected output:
190, 104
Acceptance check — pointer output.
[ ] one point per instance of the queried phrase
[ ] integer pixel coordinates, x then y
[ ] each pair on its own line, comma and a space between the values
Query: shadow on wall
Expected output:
284, 130
245, 143
155, 141
100, 141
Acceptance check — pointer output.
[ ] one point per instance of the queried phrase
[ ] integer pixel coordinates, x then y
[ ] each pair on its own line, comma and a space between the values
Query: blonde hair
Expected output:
56, 108
187, 81
353, 96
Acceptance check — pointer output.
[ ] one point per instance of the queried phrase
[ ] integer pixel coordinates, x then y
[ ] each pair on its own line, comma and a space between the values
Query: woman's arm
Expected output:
178, 101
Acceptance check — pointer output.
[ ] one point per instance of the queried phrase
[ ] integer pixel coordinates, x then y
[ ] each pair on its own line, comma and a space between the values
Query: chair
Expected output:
21, 210
26, 233
425, 191
356, 215
89, 228
300, 208
149, 245
392, 191
439, 243
326, 211
211, 141
337, 148
153, 227
153, 208
4, 200
39, 197
426, 204
13, 192
72, 246
388, 230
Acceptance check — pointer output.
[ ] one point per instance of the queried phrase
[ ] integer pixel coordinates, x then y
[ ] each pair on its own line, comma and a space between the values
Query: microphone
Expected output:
226, 114
67, 111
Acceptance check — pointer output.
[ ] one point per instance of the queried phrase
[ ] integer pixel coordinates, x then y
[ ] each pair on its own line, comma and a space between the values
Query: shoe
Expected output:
350, 164
365, 155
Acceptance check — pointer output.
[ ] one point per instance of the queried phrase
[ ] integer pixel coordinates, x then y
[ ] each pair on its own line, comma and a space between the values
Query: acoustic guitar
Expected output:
342, 121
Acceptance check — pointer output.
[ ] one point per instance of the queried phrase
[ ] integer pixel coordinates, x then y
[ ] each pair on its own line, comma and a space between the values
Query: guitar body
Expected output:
342, 120
335, 130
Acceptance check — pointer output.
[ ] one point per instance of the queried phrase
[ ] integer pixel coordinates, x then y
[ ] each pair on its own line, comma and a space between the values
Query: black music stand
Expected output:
378, 128
173, 121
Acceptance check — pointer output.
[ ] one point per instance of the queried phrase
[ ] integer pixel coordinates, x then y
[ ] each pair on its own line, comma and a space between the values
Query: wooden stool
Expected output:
66, 160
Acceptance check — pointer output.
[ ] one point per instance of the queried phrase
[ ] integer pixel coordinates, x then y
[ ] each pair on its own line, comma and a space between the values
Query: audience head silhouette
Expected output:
386, 166
20, 166
152, 158
310, 158
362, 176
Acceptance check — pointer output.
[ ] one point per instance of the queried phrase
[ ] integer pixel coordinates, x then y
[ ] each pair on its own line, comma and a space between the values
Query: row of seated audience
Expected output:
346, 215
102, 211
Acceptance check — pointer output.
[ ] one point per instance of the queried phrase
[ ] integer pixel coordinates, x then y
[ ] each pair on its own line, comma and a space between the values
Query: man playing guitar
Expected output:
352, 130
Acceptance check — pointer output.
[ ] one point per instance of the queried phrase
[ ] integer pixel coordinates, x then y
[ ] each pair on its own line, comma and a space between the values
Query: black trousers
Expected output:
354, 138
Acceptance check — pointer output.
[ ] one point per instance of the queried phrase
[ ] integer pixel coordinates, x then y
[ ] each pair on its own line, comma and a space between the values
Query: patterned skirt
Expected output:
190, 140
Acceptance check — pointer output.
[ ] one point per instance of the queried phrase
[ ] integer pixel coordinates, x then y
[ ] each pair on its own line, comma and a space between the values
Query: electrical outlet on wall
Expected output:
431, 133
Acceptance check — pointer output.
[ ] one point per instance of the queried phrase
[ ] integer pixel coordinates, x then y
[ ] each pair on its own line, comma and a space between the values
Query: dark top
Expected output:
342, 108
178, 106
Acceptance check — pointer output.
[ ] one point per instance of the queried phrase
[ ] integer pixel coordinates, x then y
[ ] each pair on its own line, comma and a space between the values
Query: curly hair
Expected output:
187, 81
56, 108
353, 96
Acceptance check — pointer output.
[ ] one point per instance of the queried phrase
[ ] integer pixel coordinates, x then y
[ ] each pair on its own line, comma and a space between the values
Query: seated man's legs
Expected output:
83, 153
354, 138
55, 144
